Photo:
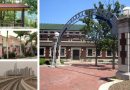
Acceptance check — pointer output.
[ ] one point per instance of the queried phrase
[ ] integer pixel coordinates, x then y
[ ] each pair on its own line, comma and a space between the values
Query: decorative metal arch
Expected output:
104, 15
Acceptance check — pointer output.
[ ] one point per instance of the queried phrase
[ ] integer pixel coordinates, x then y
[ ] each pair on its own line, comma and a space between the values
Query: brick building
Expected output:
13, 45
74, 45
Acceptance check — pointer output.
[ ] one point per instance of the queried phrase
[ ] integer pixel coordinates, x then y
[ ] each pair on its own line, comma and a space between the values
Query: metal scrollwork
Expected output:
105, 15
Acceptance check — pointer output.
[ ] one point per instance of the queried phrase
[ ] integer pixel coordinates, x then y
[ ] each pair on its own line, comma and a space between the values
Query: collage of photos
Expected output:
64, 44
19, 45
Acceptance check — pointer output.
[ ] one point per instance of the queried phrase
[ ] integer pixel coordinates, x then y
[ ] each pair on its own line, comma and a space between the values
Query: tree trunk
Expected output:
96, 61
21, 54
113, 59
32, 49
7, 51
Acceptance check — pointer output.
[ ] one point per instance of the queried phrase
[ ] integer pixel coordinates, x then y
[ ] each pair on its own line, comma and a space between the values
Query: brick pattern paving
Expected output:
75, 77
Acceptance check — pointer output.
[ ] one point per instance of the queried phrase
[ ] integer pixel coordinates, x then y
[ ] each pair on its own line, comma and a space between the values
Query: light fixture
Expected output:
56, 34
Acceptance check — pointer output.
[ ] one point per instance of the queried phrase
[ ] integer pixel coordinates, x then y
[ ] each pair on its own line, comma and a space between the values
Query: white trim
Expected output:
93, 52
75, 49
128, 53
100, 54
64, 52
116, 54
44, 51
50, 51
107, 55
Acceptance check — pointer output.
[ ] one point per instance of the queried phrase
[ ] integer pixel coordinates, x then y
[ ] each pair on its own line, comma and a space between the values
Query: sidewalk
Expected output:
75, 77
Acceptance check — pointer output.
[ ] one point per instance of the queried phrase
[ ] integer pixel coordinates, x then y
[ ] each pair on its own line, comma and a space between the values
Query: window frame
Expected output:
107, 54
93, 55
64, 52
44, 51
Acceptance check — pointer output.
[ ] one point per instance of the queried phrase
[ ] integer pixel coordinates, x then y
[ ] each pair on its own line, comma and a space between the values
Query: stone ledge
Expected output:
123, 75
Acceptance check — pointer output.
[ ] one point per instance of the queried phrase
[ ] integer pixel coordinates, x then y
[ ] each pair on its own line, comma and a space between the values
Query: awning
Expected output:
13, 7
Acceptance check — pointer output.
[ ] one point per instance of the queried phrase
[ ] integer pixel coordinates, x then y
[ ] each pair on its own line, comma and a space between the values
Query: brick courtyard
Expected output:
75, 77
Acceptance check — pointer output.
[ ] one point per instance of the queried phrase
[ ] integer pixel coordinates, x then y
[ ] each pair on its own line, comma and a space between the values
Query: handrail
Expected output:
27, 86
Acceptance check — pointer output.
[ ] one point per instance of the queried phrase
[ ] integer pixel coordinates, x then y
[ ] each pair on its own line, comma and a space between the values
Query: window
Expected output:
90, 52
98, 53
62, 52
70, 32
109, 53
45, 31
77, 32
42, 51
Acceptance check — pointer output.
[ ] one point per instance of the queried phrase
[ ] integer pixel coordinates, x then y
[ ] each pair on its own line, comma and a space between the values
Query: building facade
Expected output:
74, 45
13, 45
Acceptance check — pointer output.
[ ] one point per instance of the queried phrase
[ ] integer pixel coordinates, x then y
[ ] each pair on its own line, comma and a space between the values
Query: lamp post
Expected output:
7, 49
54, 49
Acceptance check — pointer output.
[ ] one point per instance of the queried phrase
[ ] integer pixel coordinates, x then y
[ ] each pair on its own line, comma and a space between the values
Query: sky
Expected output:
10, 33
4, 33
60, 11
9, 65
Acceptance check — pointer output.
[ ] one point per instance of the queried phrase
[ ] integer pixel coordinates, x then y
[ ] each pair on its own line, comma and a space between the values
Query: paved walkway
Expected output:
75, 77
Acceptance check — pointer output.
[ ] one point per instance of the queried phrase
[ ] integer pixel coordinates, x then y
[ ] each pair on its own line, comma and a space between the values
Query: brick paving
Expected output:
75, 77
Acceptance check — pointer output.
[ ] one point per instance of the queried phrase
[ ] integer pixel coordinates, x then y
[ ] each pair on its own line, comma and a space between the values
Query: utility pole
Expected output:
7, 46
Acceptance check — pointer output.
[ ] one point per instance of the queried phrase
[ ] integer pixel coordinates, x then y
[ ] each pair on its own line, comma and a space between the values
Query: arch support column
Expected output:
123, 48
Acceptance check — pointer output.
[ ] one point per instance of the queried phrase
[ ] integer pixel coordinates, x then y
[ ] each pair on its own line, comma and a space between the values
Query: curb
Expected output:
106, 86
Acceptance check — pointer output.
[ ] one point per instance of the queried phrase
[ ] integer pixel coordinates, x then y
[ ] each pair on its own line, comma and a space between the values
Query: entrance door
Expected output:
75, 54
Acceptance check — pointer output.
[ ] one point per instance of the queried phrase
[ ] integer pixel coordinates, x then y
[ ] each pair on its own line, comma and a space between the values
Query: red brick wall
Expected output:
47, 52
68, 52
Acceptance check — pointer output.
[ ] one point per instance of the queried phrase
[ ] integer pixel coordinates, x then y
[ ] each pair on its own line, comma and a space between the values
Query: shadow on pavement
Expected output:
91, 66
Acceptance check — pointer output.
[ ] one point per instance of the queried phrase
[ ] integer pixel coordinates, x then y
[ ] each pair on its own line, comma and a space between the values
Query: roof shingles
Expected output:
12, 6
59, 27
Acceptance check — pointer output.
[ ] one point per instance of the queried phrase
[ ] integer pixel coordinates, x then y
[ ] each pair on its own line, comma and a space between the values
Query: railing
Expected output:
27, 86
6, 80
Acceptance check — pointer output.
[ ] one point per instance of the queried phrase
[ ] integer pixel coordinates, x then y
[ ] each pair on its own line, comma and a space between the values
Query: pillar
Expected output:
123, 48
58, 58
22, 17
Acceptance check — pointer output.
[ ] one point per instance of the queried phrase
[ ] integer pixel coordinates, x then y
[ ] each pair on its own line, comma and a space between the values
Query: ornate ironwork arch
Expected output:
104, 15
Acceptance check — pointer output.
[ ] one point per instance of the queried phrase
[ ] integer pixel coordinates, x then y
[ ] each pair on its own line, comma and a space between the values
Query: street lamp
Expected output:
54, 49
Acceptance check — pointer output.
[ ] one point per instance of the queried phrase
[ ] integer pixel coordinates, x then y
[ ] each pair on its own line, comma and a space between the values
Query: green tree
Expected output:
6, 15
110, 43
105, 30
21, 34
92, 30
110, 40
33, 41
32, 4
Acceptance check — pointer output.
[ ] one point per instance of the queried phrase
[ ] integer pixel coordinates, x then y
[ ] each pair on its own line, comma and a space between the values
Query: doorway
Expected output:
76, 54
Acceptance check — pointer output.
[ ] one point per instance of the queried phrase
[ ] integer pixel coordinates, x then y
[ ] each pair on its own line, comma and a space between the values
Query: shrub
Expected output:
62, 61
42, 61
11, 55
5, 56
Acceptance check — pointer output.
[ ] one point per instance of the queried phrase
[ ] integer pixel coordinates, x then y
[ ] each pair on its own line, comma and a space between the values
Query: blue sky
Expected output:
60, 11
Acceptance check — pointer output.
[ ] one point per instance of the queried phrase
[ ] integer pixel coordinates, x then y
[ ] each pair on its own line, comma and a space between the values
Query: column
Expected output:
58, 59
123, 48
22, 17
